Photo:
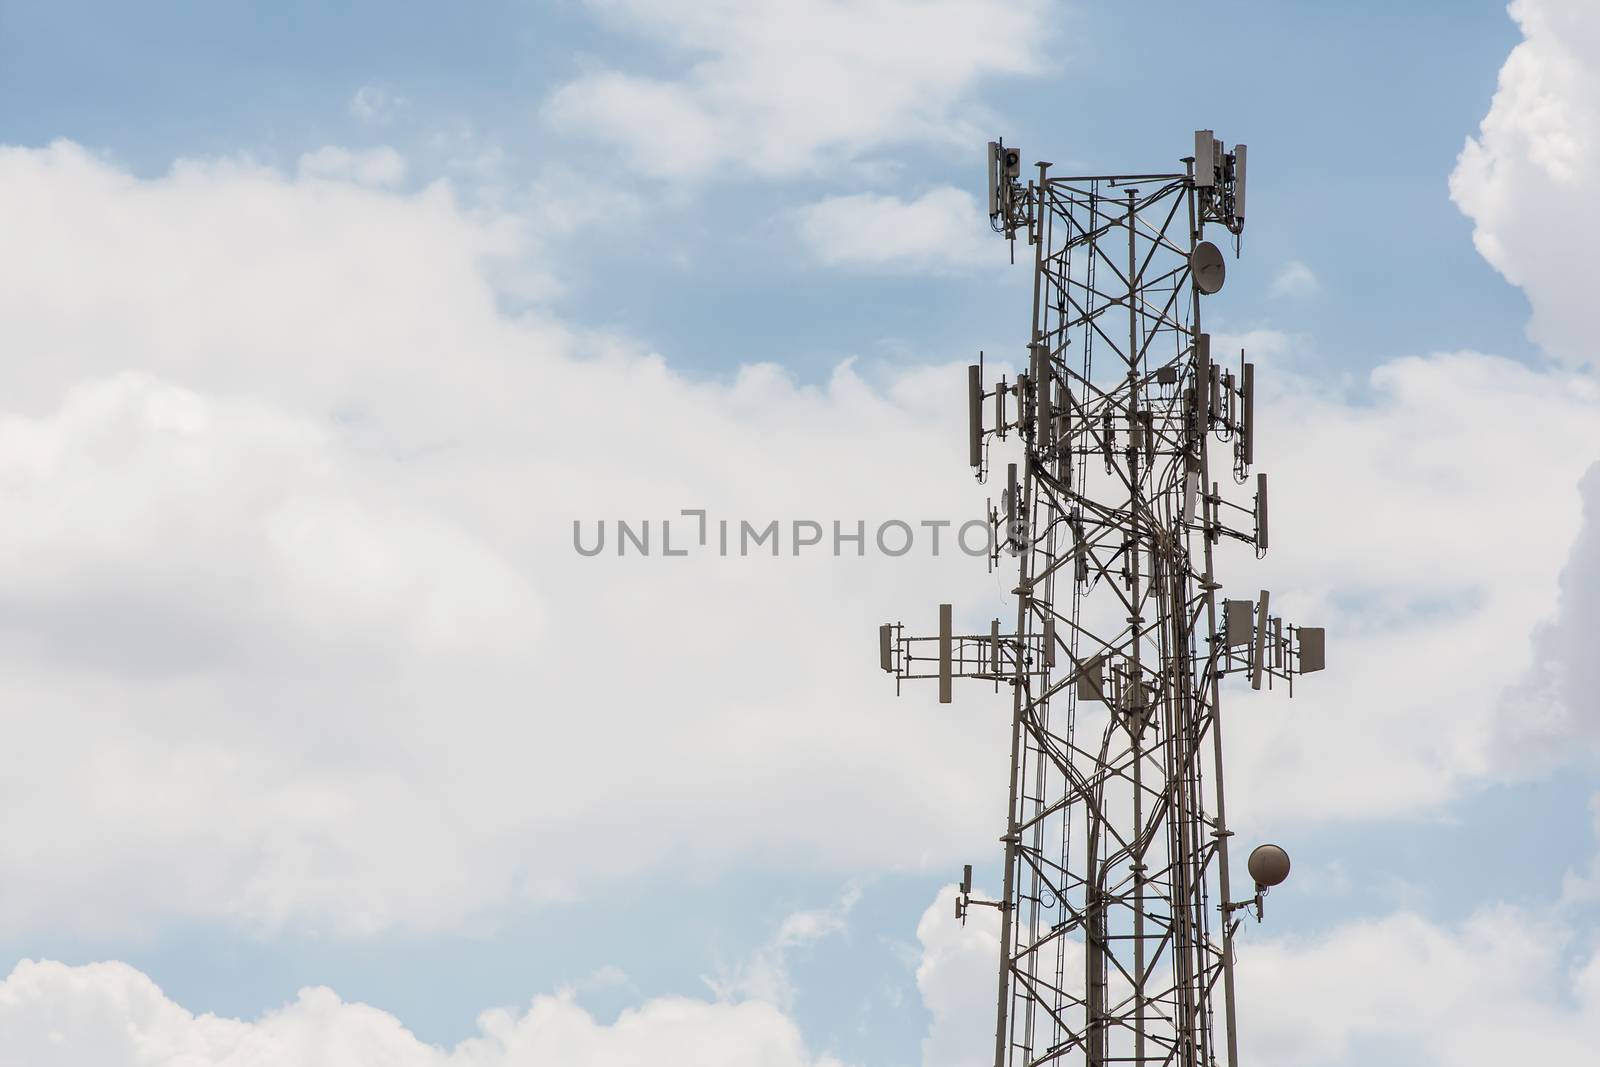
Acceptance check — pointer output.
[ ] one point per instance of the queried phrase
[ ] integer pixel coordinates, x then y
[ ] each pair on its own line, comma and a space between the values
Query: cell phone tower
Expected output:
1117, 916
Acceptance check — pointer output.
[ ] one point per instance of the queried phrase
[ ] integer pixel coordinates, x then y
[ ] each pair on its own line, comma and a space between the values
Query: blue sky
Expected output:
350, 806
1360, 107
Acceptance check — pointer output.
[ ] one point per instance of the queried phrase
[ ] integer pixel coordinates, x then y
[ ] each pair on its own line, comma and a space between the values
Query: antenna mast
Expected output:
1117, 921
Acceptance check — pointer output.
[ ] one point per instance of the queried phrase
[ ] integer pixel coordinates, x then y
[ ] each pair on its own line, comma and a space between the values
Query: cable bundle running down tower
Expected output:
1116, 916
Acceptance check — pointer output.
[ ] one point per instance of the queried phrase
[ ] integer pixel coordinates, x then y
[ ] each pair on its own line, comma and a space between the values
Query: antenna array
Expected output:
1117, 921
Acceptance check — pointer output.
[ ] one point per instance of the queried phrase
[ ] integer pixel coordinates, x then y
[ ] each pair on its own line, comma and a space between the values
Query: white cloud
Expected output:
1420, 538
297, 576
110, 1015
956, 977
373, 103
1526, 179
765, 975
780, 88
373, 166
302, 593
192, 585
1581, 887
1294, 279
1425, 518
292, 632
1552, 713
944, 229
1506, 986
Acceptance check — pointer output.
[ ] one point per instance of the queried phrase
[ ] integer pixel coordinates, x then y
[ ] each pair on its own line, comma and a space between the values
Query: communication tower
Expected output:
1116, 911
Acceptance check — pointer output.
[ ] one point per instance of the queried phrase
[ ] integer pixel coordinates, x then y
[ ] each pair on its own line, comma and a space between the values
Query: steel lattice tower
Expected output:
1116, 915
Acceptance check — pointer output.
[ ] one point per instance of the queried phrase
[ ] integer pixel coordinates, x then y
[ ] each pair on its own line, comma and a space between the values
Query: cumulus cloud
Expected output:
111, 1015
285, 595
294, 633
1552, 711
956, 977
1405, 524
1525, 180
193, 584
941, 230
779, 88
301, 595
765, 975
1294, 279
374, 166
1506, 986
1503, 986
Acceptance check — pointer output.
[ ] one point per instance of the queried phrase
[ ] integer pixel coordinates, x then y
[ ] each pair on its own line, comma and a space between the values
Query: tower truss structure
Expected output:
1130, 442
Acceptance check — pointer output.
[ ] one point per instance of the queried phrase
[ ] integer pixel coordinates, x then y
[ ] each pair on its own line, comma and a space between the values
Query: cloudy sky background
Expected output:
324, 745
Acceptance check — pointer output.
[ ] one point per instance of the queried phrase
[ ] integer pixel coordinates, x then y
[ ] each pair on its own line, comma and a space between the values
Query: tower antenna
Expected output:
1117, 922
